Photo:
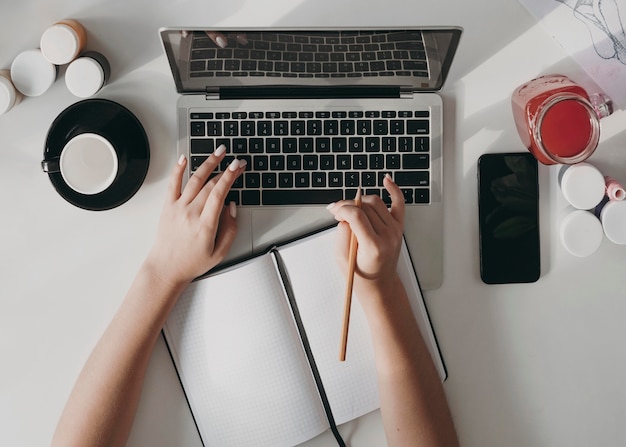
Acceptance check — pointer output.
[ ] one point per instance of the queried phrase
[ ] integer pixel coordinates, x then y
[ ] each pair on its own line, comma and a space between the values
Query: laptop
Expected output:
317, 113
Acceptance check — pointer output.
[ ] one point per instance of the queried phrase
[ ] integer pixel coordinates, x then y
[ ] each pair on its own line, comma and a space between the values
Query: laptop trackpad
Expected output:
272, 225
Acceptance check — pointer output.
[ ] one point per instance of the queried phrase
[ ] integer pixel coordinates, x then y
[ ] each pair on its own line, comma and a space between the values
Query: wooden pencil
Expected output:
350, 281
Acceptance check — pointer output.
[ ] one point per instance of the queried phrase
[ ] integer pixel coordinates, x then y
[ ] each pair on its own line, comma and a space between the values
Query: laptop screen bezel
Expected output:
349, 86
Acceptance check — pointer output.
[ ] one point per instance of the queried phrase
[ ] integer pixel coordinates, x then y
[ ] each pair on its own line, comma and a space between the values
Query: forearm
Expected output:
102, 405
413, 403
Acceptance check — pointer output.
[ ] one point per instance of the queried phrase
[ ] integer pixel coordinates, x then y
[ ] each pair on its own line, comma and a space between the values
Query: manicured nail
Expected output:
220, 150
181, 160
241, 38
232, 209
221, 41
330, 205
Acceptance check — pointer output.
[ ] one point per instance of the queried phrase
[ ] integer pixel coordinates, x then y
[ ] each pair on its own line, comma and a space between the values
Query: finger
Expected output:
227, 230
377, 213
397, 199
198, 179
358, 221
242, 39
215, 200
219, 39
342, 244
176, 179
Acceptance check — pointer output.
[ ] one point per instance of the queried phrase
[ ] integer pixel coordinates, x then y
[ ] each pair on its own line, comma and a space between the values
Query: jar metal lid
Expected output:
32, 74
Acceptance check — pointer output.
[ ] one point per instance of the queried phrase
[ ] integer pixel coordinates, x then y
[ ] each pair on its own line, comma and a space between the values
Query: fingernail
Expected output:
241, 38
330, 205
220, 150
234, 165
221, 41
181, 160
232, 209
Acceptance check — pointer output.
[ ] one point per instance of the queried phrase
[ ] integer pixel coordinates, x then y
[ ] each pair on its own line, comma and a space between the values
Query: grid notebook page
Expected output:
319, 290
241, 362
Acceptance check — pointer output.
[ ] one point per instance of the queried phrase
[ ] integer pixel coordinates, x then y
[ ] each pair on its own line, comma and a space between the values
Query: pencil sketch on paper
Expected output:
603, 21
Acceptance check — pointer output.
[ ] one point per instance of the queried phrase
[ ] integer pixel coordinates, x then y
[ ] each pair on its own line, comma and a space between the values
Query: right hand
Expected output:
379, 233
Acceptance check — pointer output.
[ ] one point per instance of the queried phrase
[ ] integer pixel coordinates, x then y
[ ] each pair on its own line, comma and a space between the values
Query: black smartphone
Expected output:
508, 218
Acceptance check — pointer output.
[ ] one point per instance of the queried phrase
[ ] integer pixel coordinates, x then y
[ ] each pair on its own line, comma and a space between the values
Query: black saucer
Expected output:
123, 130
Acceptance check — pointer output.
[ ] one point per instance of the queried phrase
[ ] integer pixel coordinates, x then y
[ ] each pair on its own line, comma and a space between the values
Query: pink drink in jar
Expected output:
557, 120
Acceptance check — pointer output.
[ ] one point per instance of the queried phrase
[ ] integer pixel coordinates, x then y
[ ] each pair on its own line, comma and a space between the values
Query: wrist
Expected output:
164, 276
377, 294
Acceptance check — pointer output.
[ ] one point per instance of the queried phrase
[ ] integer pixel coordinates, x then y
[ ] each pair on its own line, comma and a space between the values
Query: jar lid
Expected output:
583, 186
32, 74
84, 77
8, 96
581, 233
613, 217
60, 44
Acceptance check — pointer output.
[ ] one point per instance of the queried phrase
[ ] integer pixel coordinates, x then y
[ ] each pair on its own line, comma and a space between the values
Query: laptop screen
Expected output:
413, 59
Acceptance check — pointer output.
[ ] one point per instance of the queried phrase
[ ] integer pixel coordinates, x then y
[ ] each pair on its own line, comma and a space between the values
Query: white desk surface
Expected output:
529, 365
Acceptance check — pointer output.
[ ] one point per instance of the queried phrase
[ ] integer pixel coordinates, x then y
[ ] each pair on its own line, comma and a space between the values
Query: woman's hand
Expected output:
379, 234
196, 230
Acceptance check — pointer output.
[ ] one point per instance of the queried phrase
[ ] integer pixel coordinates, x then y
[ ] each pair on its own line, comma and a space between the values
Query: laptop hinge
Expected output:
406, 92
304, 92
211, 93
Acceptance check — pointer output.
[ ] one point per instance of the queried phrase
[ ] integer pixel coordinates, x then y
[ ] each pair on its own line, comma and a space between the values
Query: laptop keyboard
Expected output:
307, 55
317, 157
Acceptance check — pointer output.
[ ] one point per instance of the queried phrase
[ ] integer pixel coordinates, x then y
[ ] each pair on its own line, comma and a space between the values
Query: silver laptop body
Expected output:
269, 75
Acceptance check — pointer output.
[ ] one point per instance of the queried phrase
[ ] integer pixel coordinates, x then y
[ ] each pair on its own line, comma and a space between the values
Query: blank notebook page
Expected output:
241, 362
319, 288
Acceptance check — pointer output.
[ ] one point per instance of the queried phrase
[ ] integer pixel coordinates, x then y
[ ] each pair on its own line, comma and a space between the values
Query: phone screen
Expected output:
508, 208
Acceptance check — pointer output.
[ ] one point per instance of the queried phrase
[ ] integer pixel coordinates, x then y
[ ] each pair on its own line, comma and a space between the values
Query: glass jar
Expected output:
557, 120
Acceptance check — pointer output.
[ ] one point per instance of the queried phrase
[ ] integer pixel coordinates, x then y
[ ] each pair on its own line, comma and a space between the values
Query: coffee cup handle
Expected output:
51, 166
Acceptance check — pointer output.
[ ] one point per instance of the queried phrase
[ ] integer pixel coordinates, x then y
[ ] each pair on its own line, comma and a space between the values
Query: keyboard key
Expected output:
335, 179
251, 197
352, 179
346, 127
417, 127
202, 146
422, 195
415, 161
306, 145
303, 196
285, 180
414, 178
268, 180
302, 180
318, 179
197, 128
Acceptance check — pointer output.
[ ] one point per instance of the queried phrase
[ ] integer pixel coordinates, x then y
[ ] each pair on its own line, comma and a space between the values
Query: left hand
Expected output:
196, 230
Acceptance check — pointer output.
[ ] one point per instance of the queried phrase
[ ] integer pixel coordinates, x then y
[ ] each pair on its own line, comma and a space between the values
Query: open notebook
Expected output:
256, 347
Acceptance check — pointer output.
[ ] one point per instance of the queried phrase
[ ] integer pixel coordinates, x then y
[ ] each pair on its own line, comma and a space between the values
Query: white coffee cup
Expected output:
88, 164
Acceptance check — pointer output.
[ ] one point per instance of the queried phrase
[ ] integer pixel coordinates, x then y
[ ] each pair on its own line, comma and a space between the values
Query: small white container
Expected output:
63, 41
613, 217
583, 185
33, 74
9, 96
581, 233
87, 74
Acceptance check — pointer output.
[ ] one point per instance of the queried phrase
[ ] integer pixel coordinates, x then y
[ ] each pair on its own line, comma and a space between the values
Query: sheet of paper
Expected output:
241, 362
593, 33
